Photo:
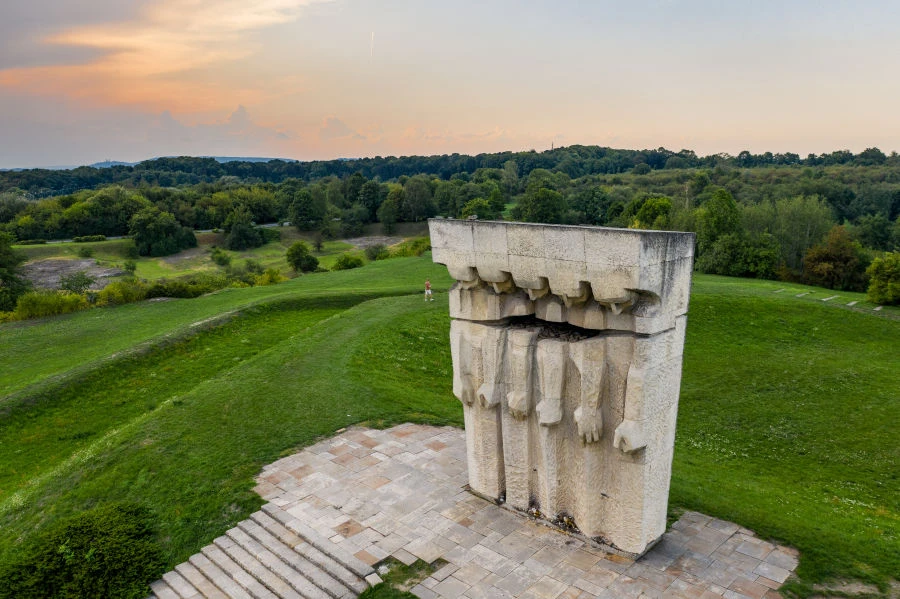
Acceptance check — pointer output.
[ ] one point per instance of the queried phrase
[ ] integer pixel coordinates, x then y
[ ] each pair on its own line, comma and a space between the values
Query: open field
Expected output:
113, 254
787, 420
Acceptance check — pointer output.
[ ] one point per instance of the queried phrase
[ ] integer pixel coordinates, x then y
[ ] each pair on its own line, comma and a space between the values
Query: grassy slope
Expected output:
784, 427
74, 342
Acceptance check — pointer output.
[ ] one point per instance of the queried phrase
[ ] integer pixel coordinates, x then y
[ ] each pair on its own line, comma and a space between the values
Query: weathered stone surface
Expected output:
575, 425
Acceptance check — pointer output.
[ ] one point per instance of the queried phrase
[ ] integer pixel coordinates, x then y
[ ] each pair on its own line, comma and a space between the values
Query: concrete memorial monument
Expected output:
567, 345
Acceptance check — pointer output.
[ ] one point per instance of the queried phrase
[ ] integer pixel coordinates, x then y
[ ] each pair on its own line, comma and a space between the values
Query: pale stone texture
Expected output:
573, 425
411, 503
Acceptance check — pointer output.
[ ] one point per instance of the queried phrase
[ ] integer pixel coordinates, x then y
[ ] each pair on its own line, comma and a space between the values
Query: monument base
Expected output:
568, 529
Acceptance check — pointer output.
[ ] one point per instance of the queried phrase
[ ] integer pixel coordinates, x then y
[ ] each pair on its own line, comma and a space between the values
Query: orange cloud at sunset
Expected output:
162, 60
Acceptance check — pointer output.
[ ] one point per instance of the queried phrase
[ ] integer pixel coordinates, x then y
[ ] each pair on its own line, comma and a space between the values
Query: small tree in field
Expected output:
884, 287
300, 259
78, 282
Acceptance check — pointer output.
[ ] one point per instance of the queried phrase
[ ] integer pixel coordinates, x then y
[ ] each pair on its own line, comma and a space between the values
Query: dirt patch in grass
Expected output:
45, 274
365, 242
184, 256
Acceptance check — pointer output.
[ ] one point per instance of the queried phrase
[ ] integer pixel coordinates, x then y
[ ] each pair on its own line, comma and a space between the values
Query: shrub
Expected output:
346, 262
38, 304
78, 282
269, 234
89, 238
300, 259
220, 256
122, 292
837, 263
270, 277
411, 247
109, 551
254, 266
32, 242
884, 287
377, 252
85, 252
130, 266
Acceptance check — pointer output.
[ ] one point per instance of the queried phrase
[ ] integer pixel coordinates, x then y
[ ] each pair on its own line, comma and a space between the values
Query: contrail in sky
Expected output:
372, 47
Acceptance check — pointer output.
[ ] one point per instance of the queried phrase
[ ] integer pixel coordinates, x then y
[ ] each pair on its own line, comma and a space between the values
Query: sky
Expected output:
88, 80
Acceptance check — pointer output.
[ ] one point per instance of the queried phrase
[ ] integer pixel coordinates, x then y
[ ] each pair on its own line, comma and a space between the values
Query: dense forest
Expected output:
822, 219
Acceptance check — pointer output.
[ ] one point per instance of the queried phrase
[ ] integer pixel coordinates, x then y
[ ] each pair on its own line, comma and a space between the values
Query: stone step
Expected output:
351, 562
263, 575
200, 582
181, 586
254, 587
316, 573
285, 570
331, 567
223, 581
162, 590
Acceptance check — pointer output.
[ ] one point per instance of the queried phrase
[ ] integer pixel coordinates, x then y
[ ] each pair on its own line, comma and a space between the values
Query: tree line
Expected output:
819, 223
575, 161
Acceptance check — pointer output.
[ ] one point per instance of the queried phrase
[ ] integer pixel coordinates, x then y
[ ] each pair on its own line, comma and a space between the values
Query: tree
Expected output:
240, 232
542, 206
370, 197
884, 274
479, 207
305, 212
739, 255
389, 211
838, 263
300, 259
12, 283
653, 213
78, 282
417, 203
157, 233
717, 216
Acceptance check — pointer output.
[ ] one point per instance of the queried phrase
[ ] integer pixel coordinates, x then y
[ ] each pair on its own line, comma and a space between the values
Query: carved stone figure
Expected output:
567, 345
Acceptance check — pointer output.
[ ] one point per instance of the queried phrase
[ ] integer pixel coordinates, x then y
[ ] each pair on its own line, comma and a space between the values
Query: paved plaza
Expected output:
346, 503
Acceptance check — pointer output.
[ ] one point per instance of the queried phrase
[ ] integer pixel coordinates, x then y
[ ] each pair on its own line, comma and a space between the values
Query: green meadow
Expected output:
787, 422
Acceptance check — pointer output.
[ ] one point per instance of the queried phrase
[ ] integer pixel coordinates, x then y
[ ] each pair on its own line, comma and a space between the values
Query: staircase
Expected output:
271, 555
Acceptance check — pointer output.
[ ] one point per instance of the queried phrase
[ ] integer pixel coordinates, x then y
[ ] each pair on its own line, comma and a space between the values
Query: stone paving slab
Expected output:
401, 492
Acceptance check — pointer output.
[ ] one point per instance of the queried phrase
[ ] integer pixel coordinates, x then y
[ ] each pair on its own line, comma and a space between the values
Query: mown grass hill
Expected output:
787, 421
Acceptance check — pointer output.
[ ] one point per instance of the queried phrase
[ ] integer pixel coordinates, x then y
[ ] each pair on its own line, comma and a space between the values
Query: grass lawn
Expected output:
786, 426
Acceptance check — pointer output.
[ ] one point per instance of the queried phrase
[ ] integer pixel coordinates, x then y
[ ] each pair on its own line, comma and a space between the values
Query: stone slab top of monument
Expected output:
586, 276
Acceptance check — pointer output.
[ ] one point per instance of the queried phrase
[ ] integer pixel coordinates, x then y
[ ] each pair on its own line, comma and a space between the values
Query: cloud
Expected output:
334, 128
153, 60
126, 134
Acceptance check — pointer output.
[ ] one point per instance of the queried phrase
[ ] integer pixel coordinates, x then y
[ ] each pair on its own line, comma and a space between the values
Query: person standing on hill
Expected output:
428, 290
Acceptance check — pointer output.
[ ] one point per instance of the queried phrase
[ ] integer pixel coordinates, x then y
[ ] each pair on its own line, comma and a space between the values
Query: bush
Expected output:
346, 262
78, 282
411, 247
130, 266
300, 259
738, 255
109, 551
220, 256
253, 266
122, 292
838, 263
32, 242
85, 252
377, 252
884, 272
270, 277
89, 238
39, 304
269, 234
